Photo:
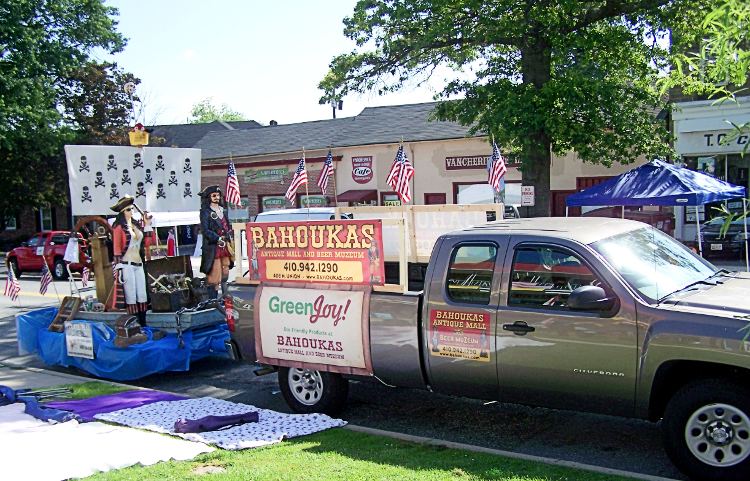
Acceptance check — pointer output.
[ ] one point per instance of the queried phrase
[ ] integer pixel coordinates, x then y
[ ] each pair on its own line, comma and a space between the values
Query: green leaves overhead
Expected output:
541, 76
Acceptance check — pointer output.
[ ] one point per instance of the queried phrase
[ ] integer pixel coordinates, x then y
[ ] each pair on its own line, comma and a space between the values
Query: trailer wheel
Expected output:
706, 430
310, 391
59, 272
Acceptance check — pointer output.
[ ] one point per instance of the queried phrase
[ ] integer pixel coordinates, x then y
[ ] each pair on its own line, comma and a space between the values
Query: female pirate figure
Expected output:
216, 257
129, 241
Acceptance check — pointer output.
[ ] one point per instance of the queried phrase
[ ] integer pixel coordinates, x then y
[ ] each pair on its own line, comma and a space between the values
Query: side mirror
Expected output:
590, 298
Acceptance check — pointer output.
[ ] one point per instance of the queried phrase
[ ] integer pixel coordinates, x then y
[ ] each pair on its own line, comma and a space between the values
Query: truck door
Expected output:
459, 318
550, 355
28, 260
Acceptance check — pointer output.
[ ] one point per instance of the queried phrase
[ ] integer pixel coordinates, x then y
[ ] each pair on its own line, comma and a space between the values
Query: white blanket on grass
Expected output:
271, 427
34, 450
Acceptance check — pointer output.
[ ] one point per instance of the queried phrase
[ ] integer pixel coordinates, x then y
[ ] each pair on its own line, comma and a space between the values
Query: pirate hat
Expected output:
124, 202
209, 190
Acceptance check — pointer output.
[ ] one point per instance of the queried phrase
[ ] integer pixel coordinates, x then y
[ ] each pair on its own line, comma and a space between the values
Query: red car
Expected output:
49, 246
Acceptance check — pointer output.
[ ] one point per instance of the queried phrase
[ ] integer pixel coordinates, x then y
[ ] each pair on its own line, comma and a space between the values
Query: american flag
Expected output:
400, 175
326, 172
300, 177
12, 287
46, 279
85, 277
233, 186
496, 168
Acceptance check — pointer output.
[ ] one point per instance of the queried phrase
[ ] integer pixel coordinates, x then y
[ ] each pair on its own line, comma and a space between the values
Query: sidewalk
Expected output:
29, 377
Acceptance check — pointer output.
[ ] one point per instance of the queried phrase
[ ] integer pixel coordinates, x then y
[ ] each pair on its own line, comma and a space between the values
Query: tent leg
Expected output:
623, 211
698, 225
747, 260
566, 211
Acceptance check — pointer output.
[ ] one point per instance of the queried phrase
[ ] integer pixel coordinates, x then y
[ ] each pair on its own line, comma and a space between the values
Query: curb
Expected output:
507, 454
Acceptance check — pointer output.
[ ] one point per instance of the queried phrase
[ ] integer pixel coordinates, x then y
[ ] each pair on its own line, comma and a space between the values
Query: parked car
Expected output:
47, 246
731, 244
299, 215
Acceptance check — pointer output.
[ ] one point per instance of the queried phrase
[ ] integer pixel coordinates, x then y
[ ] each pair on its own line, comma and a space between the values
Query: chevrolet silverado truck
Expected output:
595, 314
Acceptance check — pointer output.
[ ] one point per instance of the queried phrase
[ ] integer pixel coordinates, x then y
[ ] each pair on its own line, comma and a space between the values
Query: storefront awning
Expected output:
357, 195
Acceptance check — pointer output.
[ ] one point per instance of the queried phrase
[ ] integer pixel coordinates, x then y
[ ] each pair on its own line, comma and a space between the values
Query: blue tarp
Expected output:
111, 362
657, 183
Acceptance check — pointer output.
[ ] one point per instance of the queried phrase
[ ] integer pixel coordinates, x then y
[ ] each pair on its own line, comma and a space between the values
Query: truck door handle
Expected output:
519, 328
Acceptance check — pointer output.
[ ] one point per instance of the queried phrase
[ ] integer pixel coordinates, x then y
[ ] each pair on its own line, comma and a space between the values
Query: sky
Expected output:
262, 58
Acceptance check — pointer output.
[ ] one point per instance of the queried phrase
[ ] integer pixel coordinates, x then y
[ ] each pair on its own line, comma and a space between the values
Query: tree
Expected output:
205, 111
548, 76
96, 105
42, 42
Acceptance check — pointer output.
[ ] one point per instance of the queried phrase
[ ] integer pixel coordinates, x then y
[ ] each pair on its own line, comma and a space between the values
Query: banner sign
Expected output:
466, 162
78, 339
265, 175
362, 169
311, 327
459, 334
327, 251
161, 179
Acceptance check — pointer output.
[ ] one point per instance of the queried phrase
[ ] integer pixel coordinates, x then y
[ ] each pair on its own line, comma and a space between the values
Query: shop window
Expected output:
46, 217
239, 213
272, 202
390, 199
470, 273
543, 277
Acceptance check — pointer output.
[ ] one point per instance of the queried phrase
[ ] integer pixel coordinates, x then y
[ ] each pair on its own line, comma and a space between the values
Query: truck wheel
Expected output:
309, 391
58, 270
14, 264
706, 430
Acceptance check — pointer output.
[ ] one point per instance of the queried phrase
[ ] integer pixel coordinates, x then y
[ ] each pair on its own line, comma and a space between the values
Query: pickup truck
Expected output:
594, 314
49, 247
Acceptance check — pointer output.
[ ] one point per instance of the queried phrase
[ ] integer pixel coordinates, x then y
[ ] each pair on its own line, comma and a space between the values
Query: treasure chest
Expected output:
127, 326
169, 280
170, 301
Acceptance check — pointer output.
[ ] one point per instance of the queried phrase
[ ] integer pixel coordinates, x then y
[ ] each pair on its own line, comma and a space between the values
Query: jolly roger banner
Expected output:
161, 179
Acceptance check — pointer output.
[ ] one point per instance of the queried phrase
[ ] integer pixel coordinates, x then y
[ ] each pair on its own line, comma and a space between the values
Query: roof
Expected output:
374, 125
580, 229
271, 139
187, 135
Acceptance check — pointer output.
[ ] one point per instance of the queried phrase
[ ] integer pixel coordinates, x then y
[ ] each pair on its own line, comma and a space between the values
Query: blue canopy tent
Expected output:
660, 183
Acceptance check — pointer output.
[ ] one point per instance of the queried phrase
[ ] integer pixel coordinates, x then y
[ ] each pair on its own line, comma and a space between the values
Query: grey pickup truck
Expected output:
603, 315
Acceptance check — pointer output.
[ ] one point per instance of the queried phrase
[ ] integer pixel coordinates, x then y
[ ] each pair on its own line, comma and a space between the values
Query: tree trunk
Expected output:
536, 67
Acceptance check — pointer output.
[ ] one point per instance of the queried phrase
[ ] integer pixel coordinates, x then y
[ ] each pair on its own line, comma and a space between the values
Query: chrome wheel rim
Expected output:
306, 385
718, 435
59, 270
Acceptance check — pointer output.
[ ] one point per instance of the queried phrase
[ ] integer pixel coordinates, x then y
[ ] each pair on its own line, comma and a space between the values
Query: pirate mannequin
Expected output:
217, 233
130, 238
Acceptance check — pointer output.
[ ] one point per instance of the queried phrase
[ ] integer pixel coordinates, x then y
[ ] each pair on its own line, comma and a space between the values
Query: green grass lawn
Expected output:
339, 454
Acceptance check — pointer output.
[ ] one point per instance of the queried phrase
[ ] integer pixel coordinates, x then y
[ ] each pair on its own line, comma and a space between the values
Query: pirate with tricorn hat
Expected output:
130, 239
217, 255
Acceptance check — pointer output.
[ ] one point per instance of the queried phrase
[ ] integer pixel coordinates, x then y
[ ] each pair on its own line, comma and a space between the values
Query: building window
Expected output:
389, 199
46, 217
10, 223
313, 201
240, 213
272, 202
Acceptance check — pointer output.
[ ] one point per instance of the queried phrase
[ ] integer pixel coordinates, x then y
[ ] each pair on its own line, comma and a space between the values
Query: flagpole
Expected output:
307, 190
44, 259
335, 194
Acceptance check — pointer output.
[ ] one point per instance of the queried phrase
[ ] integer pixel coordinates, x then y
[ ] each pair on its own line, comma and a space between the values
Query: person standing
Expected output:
216, 258
130, 239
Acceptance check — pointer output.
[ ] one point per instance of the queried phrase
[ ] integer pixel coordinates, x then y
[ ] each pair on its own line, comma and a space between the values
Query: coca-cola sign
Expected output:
362, 169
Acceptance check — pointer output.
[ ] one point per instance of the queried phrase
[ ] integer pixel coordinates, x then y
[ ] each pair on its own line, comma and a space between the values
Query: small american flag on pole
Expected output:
300, 177
85, 277
326, 172
496, 168
400, 175
12, 287
233, 186
46, 279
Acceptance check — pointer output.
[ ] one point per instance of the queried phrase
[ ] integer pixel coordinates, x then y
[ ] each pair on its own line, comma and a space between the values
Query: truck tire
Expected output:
58, 270
12, 262
309, 391
706, 430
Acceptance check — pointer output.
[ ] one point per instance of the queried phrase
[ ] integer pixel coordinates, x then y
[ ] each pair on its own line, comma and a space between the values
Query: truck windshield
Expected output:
653, 263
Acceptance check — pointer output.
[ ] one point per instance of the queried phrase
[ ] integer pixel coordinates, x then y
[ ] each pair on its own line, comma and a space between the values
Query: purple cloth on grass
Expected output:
88, 408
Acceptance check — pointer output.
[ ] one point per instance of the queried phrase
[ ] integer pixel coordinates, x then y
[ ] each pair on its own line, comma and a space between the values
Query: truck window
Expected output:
544, 277
470, 273
60, 239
